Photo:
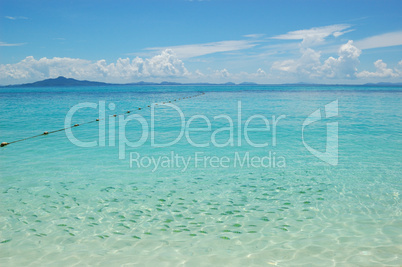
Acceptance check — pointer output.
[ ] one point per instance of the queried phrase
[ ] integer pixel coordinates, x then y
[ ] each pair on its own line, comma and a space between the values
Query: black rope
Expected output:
76, 125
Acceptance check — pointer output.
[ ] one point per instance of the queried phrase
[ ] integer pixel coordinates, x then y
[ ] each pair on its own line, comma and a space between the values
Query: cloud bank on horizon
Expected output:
335, 53
168, 64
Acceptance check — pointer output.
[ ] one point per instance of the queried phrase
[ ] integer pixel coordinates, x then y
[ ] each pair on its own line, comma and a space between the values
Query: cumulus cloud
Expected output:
30, 68
309, 64
381, 71
398, 69
345, 66
224, 73
261, 73
305, 65
315, 35
259, 76
167, 64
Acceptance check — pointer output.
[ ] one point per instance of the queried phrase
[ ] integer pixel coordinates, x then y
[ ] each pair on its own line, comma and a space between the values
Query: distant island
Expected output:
70, 82
60, 81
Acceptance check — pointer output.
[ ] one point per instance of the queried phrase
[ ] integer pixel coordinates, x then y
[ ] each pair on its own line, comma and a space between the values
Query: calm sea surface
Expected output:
222, 195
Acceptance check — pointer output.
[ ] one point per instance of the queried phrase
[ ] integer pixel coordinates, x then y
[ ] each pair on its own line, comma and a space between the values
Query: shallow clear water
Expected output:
69, 205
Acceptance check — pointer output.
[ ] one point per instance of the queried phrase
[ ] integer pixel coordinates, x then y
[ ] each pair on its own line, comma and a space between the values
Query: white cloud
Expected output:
7, 44
314, 35
195, 50
305, 65
345, 66
259, 76
224, 73
383, 40
199, 74
164, 65
398, 68
309, 64
255, 35
15, 18
381, 71
261, 73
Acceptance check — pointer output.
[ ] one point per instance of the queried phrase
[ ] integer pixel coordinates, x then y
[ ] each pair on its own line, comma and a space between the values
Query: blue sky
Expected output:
202, 41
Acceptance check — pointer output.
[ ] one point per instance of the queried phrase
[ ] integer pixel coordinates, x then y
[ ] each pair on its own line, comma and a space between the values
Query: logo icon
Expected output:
330, 155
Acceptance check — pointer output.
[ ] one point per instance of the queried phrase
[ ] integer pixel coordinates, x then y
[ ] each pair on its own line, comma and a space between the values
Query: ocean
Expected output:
233, 176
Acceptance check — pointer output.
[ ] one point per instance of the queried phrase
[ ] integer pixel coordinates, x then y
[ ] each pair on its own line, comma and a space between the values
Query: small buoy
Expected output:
46, 132
75, 125
139, 108
149, 106
4, 144
114, 115
97, 119
128, 111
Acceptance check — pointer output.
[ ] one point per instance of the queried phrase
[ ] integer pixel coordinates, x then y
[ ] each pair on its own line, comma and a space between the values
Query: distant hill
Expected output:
169, 83
142, 83
248, 83
60, 81
69, 82
383, 84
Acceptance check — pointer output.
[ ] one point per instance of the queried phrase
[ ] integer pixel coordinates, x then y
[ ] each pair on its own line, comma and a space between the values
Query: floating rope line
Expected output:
76, 125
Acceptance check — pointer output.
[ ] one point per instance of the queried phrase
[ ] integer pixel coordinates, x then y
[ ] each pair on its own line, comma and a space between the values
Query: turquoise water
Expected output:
69, 205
